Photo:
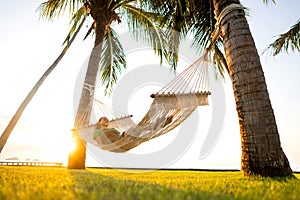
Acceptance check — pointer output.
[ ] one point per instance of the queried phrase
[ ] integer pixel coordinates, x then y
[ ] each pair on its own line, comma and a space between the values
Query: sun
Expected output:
58, 147
69, 144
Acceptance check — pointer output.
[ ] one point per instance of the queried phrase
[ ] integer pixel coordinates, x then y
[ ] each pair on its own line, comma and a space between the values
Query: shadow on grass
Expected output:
286, 178
292, 177
141, 184
92, 185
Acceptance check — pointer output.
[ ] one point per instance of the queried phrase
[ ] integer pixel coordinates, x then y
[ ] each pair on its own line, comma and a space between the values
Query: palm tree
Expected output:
107, 51
287, 40
69, 40
261, 148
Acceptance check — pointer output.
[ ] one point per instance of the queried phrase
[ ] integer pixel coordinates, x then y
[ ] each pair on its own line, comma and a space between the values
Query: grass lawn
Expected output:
60, 183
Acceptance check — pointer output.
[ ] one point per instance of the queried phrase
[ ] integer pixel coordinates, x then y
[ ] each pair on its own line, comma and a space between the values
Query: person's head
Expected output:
103, 122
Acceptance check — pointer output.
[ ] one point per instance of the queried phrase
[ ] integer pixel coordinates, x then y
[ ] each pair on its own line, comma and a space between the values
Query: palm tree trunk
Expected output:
77, 157
261, 149
5, 135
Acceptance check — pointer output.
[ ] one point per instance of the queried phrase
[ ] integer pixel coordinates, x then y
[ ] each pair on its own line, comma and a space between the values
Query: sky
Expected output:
29, 45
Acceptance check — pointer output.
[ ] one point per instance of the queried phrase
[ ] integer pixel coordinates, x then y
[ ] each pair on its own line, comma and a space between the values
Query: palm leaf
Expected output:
173, 48
112, 61
144, 27
176, 27
77, 19
289, 40
219, 60
203, 24
175, 23
267, 1
92, 27
55, 8
114, 5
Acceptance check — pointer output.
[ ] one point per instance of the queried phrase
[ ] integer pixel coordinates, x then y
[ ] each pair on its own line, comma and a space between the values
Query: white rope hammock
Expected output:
170, 107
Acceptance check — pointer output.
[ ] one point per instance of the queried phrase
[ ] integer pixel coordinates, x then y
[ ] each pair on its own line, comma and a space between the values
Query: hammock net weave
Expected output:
174, 103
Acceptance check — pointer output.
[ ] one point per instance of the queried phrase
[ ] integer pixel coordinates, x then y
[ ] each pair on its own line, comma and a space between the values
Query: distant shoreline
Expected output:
30, 163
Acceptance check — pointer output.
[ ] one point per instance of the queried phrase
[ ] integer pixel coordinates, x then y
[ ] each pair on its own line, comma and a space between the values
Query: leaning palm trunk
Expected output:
77, 157
261, 149
5, 135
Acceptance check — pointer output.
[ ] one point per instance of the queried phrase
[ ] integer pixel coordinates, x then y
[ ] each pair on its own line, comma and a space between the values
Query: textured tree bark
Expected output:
261, 149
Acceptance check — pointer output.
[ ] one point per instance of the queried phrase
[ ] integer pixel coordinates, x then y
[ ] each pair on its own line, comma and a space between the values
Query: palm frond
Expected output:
157, 6
175, 22
267, 1
203, 29
287, 41
92, 27
55, 8
112, 61
117, 4
144, 27
77, 19
203, 24
173, 48
219, 60
176, 29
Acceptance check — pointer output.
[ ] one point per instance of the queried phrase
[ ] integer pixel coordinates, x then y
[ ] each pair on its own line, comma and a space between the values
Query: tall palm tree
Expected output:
107, 51
69, 40
261, 148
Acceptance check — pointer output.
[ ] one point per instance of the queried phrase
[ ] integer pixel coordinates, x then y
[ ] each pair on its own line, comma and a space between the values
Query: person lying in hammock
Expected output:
105, 135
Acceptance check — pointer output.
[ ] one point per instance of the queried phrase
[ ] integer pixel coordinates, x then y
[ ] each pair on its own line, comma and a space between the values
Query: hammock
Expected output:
174, 103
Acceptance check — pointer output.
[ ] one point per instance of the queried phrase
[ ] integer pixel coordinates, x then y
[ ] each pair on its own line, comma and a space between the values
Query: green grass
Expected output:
60, 183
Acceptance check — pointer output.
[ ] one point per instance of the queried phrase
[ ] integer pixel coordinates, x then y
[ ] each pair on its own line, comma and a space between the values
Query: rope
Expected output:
108, 112
85, 114
193, 79
104, 109
216, 33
